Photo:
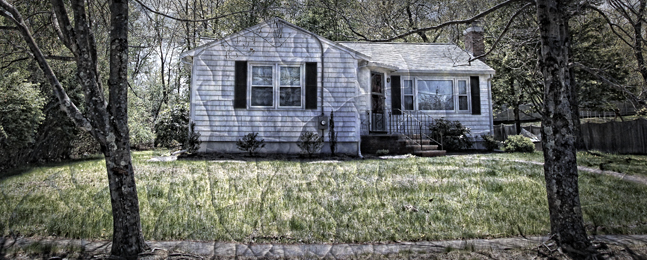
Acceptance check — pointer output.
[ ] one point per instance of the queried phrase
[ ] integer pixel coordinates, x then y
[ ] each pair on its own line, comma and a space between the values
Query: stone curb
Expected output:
225, 250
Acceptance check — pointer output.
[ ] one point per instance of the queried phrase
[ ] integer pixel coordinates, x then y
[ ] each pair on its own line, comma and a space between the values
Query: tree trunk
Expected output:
558, 131
127, 239
517, 119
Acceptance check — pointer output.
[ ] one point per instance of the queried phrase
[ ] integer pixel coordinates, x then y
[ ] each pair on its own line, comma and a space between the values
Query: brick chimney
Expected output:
474, 40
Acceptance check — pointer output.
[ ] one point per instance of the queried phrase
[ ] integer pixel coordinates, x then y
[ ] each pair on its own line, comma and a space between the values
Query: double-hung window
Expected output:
436, 94
276, 85
407, 92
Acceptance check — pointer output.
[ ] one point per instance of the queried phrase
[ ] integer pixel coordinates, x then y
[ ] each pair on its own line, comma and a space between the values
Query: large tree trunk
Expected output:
558, 131
108, 123
127, 239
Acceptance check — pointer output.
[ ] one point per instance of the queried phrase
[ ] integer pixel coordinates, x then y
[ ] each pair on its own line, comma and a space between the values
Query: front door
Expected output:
378, 118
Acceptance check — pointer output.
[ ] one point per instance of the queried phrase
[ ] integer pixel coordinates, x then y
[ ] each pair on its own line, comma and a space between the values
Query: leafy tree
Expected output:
20, 115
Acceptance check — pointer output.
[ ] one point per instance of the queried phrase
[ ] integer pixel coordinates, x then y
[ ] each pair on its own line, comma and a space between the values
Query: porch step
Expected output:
416, 142
430, 153
424, 147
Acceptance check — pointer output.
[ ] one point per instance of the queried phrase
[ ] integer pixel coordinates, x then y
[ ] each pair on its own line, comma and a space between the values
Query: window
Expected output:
462, 95
262, 90
276, 85
290, 89
407, 92
429, 94
435, 95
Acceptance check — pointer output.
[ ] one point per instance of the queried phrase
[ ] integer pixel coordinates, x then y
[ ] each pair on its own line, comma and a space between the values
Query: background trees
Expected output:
555, 56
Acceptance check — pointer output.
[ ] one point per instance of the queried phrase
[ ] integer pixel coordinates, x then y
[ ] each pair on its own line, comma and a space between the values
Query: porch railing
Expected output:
408, 123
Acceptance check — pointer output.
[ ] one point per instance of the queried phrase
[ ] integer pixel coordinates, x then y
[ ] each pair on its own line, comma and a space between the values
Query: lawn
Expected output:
475, 196
622, 163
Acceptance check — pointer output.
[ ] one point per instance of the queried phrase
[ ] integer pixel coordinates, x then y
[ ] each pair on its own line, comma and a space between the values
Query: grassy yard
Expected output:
291, 201
628, 164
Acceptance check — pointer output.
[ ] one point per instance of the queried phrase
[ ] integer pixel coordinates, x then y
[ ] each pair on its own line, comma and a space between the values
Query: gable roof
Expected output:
354, 53
421, 57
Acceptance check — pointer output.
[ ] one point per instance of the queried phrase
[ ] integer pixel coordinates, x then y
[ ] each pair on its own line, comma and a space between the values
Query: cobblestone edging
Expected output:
220, 250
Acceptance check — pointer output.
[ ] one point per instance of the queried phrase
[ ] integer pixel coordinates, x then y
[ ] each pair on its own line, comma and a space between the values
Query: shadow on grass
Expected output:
20, 170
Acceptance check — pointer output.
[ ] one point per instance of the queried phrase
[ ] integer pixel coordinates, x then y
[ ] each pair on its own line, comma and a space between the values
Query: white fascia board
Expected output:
446, 72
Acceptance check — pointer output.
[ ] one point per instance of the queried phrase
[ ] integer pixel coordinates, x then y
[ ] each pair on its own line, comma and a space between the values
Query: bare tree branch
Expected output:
611, 24
190, 20
454, 22
507, 26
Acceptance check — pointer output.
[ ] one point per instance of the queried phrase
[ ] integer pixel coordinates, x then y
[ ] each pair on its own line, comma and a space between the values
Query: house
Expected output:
268, 79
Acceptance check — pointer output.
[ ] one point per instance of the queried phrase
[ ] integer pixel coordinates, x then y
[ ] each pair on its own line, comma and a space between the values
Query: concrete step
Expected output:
424, 147
417, 141
430, 153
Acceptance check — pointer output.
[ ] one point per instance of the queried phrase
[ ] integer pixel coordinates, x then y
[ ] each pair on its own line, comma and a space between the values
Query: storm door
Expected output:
378, 118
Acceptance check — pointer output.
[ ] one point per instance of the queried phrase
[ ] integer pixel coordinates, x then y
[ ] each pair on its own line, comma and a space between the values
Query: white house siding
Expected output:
220, 125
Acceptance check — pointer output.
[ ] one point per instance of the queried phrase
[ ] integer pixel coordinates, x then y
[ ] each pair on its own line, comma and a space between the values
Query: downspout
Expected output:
489, 88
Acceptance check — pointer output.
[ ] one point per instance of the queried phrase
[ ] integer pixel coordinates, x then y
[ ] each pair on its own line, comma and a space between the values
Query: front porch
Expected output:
400, 133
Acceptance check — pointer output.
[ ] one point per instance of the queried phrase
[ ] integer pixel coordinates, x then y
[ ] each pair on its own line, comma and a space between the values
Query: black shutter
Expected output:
311, 85
476, 95
240, 85
396, 95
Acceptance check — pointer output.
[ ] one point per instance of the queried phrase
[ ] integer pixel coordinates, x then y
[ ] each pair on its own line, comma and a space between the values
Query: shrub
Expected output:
193, 141
310, 143
382, 152
489, 142
173, 129
250, 144
518, 143
451, 134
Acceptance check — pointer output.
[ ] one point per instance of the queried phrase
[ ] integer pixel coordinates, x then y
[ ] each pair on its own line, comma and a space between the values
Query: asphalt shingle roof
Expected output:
420, 57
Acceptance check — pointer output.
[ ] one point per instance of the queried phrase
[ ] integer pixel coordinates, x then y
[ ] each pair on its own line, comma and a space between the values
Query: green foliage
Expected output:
20, 115
317, 18
594, 48
489, 142
193, 141
250, 144
310, 143
518, 143
451, 134
172, 128
140, 123
382, 152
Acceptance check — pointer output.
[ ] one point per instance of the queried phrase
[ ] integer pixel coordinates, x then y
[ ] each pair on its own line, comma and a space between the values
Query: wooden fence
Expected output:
628, 137
617, 137
501, 132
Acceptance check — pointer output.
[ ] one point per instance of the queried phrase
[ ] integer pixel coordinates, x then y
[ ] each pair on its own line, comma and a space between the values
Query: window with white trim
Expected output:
276, 85
407, 93
436, 94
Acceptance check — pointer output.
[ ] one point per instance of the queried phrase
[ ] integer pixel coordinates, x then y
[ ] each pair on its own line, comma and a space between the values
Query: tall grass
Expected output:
293, 201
